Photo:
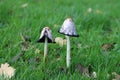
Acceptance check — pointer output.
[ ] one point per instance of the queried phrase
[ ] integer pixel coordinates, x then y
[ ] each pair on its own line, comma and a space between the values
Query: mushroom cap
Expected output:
68, 28
46, 32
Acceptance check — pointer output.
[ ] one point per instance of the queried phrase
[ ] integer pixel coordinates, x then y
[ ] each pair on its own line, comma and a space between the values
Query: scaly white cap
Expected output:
46, 32
68, 28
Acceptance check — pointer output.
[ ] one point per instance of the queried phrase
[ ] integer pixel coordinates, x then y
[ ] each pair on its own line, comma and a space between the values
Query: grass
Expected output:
100, 26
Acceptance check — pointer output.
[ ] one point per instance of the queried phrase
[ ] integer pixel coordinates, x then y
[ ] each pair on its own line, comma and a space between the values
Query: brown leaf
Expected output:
83, 70
108, 46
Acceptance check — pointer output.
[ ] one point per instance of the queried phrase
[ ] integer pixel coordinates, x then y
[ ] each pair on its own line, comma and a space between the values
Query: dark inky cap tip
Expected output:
42, 40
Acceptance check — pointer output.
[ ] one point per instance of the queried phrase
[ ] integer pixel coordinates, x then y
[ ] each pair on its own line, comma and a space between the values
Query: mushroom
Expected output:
68, 29
45, 37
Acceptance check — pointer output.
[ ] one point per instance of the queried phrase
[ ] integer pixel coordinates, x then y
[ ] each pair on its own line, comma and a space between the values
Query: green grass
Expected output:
94, 29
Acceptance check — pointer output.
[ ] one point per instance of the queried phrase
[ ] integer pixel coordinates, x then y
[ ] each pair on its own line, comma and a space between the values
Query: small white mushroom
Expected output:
68, 29
46, 37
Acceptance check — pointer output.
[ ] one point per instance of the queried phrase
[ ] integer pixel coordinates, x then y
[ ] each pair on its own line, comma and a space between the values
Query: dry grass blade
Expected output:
25, 38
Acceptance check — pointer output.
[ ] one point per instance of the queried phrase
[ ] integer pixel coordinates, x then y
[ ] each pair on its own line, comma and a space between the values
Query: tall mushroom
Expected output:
68, 29
45, 37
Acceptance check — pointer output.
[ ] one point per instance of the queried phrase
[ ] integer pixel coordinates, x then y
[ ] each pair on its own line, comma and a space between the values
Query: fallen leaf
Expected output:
83, 70
107, 47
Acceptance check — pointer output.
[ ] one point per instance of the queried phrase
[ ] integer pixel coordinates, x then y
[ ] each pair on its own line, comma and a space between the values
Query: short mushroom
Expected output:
45, 37
68, 29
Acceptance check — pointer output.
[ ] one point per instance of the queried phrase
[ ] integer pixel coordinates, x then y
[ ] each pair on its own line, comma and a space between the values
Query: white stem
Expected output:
68, 52
45, 47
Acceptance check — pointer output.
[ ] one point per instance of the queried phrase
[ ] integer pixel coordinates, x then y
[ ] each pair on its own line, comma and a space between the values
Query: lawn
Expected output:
97, 23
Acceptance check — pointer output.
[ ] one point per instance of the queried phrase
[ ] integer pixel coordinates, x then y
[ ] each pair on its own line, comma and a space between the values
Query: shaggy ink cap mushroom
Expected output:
46, 32
68, 28
45, 37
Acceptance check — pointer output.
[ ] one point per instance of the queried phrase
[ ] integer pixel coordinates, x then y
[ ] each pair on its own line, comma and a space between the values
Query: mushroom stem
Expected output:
45, 48
68, 52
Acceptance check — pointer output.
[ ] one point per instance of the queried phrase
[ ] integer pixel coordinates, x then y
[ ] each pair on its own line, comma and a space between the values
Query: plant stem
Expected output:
45, 48
68, 52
